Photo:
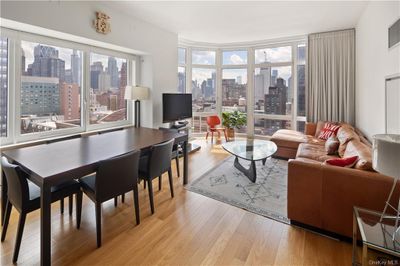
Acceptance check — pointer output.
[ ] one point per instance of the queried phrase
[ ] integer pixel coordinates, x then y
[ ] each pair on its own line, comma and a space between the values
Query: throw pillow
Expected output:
348, 162
329, 130
332, 145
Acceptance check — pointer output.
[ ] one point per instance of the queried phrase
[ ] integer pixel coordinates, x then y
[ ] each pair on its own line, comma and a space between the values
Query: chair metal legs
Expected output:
78, 209
98, 223
159, 182
150, 188
20, 230
177, 165
136, 202
70, 205
171, 182
6, 219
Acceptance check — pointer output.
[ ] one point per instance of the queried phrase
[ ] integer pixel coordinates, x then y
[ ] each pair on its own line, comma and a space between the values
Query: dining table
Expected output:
51, 164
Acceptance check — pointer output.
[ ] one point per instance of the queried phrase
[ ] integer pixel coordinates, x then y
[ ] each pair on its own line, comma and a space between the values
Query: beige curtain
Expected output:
331, 76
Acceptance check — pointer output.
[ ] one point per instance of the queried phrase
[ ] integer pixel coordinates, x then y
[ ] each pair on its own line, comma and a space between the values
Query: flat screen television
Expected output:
176, 106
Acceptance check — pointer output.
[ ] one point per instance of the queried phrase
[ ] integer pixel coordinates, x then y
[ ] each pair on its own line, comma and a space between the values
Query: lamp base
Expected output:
137, 113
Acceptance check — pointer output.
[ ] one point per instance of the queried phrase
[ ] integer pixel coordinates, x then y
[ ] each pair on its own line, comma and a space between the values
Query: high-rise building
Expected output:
274, 76
70, 101
124, 76
301, 91
47, 63
275, 100
40, 96
104, 81
112, 70
113, 102
76, 68
3, 85
95, 69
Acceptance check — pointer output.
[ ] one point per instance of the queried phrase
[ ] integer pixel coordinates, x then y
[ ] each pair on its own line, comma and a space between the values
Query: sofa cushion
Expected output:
328, 131
357, 148
314, 152
288, 138
332, 145
344, 135
347, 162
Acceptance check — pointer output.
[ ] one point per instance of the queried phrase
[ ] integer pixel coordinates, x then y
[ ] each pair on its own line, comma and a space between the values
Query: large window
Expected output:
59, 87
3, 86
50, 92
181, 70
273, 98
108, 79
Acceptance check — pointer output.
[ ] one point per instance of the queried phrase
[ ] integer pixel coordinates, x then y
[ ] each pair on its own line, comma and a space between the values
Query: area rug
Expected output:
266, 197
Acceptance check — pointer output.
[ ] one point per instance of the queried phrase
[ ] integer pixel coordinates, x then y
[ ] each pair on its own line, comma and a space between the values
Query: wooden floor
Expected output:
189, 229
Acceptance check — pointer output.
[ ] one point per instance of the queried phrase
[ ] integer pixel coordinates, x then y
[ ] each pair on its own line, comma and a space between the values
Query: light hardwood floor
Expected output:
189, 229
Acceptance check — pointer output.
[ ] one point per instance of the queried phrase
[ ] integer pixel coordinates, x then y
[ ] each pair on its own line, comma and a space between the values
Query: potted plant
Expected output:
232, 120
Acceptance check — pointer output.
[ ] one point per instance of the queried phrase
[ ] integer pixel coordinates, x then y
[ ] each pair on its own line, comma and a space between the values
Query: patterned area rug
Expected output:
267, 197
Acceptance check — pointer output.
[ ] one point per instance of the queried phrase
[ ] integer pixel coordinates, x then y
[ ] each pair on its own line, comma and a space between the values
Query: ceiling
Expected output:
244, 21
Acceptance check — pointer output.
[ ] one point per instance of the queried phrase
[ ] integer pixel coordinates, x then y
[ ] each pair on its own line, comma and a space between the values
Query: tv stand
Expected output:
179, 124
183, 126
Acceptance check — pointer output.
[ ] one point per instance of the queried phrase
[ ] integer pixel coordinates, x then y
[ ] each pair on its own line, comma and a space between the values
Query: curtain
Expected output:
331, 77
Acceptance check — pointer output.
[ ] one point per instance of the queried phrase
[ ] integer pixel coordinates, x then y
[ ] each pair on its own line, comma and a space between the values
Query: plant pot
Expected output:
231, 133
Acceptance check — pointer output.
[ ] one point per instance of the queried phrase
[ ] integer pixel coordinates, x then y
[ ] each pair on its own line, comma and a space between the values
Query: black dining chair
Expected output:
154, 164
24, 196
176, 150
113, 177
70, 198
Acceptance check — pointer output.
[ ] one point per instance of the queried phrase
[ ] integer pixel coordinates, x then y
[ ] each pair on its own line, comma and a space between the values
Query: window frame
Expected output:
184, 65
15, 37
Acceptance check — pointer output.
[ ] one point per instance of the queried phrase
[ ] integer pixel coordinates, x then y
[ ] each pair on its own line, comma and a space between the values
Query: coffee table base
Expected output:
251, 173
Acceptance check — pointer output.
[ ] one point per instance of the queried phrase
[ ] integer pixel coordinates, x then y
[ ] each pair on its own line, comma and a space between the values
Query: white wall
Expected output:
159, 67
374, 62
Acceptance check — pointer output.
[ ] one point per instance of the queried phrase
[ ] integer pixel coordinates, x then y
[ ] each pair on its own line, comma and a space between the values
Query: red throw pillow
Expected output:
328, 131
348, 162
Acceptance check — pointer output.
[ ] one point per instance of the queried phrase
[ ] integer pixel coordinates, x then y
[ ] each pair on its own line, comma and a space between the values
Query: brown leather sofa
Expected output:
323, 196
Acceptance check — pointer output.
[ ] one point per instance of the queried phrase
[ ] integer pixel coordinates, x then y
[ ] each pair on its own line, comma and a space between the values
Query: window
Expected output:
301, 78
108, 79
59, 87
203, 57
3, 86
273, 90
274, 98
49, 75
203, 90
181, 70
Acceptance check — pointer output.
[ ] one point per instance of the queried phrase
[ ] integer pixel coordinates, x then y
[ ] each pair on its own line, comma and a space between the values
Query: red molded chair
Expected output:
212, 122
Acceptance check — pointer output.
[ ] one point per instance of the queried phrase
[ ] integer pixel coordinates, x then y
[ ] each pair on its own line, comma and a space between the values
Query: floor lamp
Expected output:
136, 93
386, 160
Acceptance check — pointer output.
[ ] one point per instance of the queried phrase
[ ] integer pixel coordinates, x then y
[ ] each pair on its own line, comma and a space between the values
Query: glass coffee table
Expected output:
250, 150
375, 235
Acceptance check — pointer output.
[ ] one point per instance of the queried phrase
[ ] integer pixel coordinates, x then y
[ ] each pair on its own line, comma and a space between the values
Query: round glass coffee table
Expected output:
251, 150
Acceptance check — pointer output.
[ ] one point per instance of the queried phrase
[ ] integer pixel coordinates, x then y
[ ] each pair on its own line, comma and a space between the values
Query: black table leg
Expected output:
264, 160
185, 163
45, 225
4, 195
251, 173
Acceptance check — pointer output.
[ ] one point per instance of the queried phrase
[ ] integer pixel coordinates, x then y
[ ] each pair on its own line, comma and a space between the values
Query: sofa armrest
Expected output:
344, 188
310, 128
305, 192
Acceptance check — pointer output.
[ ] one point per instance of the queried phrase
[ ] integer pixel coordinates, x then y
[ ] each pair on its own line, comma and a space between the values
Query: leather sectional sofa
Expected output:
323, 196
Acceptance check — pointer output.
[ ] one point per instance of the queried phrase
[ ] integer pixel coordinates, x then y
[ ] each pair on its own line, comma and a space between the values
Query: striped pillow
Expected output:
328, 131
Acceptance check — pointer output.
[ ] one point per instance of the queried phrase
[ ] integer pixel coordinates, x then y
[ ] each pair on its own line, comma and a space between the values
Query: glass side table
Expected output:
375, 235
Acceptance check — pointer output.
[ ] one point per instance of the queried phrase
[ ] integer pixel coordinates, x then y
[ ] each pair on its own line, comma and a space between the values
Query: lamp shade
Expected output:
386, 154
136, 93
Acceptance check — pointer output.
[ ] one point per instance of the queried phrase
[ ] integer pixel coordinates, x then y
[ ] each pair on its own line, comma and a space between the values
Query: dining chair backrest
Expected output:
117, 175
17, 184
213, 121
160, 158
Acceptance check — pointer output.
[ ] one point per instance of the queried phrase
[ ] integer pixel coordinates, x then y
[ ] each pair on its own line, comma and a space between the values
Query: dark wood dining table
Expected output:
51, 164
